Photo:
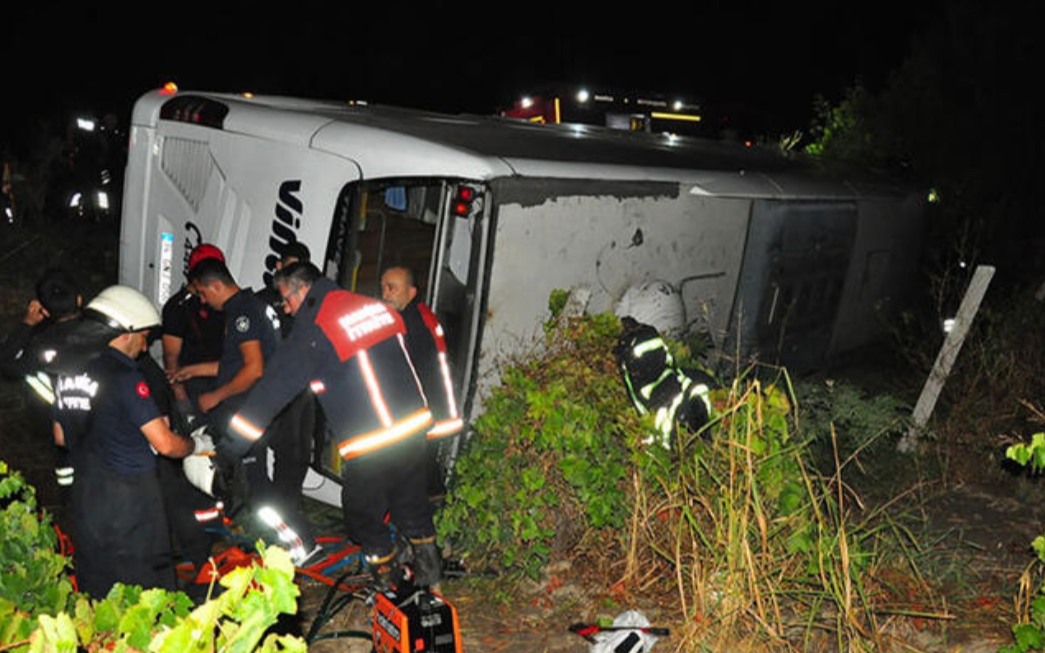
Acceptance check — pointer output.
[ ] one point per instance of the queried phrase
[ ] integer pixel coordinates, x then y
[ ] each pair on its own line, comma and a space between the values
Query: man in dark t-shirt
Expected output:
192, 333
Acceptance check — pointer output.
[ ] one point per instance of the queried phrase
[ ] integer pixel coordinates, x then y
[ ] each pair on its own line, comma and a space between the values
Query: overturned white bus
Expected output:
767, 255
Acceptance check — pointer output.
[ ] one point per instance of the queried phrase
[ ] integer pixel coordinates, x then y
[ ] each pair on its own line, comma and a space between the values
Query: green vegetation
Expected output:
1029, 630
40, 613
754, 546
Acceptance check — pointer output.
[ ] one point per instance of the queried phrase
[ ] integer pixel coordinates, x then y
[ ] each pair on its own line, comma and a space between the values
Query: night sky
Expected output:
457, 57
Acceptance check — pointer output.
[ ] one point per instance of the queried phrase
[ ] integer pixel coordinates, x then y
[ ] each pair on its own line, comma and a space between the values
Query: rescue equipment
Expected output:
630, 632
422, 622
406, 617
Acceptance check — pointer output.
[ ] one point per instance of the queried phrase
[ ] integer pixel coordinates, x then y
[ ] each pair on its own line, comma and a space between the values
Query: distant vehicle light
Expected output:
526, 102
85, 124
687, 117
583, 96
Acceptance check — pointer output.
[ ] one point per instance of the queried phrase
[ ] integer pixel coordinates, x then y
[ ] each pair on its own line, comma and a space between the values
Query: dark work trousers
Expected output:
121, 531
194, 387
391, 482
290, 445
435, 471
182, 501
288, 439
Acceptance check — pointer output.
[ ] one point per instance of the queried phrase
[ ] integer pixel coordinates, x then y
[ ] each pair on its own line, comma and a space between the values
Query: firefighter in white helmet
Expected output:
106, 415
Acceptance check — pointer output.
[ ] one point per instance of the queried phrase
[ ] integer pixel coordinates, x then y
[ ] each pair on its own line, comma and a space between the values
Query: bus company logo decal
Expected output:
285, 224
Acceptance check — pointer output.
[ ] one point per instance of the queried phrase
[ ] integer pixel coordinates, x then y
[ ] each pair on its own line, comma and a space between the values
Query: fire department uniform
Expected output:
28, 353
657, 386
118, 511
350, 350
426, 343
290, 436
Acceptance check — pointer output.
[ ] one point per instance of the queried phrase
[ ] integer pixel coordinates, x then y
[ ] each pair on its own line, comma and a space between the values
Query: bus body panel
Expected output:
601, 239
766, 255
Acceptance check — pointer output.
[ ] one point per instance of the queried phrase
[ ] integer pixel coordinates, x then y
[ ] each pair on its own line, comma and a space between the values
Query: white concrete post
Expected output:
952, 344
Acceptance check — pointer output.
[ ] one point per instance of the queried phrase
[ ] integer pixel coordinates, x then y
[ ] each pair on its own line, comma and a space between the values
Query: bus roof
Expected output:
389, 142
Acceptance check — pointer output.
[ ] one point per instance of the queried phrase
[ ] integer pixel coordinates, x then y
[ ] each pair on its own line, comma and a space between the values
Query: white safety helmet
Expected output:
124, 309
656, 303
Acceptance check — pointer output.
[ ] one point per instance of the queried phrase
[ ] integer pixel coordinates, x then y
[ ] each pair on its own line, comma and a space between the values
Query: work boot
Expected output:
427, 563
383, 571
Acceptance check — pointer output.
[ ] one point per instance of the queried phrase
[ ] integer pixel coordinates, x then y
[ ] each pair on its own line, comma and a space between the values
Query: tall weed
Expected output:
756, 546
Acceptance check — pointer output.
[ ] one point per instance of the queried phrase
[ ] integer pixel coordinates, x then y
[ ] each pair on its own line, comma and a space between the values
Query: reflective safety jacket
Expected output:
657, 386
350, 350
426, 342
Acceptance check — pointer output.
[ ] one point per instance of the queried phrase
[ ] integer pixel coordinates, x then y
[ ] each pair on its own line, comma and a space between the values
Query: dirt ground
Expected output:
984, 518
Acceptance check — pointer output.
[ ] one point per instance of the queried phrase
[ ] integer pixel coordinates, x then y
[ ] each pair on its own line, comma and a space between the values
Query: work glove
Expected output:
203, 443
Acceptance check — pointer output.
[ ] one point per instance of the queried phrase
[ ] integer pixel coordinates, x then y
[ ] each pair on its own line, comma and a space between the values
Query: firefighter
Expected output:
50, 313
350, 350
291, 434
657, 385
107, 417
426, 343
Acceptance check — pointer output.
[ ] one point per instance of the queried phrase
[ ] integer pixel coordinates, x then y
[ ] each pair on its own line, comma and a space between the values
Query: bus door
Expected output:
435, 227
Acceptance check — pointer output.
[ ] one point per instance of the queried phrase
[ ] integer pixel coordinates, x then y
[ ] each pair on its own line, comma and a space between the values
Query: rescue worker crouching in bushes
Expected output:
107, 417
657, 385
350, 350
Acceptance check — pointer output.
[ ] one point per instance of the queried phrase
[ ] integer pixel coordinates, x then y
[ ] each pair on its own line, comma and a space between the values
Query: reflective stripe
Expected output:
41, 385
286, 534
64, 476
647, 390
448, 383
208, 515
646, 346
704, 392
245, 428
374, 388
445, 427
380, 438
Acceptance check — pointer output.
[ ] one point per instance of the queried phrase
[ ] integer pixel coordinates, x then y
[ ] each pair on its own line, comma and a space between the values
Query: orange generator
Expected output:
423, 622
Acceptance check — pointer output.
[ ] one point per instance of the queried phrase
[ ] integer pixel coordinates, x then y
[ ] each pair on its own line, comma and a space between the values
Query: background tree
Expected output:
958, 115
